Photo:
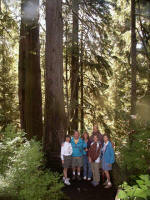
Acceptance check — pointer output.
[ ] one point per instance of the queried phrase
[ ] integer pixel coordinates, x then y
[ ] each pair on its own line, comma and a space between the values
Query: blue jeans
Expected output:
86, 167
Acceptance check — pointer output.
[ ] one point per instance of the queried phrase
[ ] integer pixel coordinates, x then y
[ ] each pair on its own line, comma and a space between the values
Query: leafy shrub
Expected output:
139, 191
21, 170
135, 157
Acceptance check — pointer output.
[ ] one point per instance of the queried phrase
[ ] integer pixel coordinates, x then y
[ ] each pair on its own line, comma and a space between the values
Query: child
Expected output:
108, 158
66, 152
94, 159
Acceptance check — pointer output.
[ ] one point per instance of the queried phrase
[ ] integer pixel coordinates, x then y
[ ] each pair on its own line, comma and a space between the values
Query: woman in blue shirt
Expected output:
108, 158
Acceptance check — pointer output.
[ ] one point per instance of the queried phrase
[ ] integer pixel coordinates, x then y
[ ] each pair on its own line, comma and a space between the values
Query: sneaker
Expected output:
92, 182
67, 182
74, 177
109, 185
78, 178
105, 183
95, 183
84, 178
65, 178
89, 179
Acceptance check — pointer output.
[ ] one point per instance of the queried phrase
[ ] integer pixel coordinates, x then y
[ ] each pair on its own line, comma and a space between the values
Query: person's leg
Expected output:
65, 172
97, 173
85, 166
66, 181
107, 175
78, 170
74, 168
89, 170
78, 176
93, 170
74, 171
74, 165
79, 165
109, 184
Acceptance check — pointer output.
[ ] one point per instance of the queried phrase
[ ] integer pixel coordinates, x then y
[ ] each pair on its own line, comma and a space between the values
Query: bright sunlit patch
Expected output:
133, 116
30, 12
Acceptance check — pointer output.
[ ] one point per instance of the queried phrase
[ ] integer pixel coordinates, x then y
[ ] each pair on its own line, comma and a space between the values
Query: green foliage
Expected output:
21, 170
8, 74
135, 157
139, 191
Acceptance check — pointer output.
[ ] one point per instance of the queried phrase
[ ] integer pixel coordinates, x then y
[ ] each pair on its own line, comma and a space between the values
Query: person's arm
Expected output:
112, 154
84, 145
62, 152
89, 154
89, 144
71, 150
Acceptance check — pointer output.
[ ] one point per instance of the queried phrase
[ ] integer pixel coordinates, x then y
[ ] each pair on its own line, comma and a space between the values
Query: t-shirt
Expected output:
76, 141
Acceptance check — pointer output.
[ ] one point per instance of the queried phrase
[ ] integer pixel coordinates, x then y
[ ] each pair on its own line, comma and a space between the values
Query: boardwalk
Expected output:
83, 190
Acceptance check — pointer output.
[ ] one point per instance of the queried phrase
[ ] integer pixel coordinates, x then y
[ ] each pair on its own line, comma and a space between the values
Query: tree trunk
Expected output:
74, 67
133, 62
30, 98
66, 70
82, 83
54, 97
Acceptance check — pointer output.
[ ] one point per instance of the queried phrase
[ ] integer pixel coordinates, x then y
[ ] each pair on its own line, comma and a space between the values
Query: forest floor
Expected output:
83, 190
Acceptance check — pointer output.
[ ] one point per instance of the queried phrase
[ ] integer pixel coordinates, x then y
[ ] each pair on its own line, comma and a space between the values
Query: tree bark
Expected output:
133, 64
82, 83
66, 69
74, 67
30, 98
54, 97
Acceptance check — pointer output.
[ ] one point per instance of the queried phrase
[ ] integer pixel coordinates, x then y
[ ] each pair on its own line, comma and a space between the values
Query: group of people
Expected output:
89, 152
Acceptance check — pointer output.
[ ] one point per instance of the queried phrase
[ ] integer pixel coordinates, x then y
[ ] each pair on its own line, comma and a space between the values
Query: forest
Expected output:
68, 65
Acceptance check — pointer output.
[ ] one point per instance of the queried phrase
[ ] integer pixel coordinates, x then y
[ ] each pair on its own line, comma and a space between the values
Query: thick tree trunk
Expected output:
30, 98
74, 67
133, 69
54, 98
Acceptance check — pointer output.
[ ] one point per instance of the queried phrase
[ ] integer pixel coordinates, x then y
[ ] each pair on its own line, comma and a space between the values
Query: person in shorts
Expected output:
77, 155
66, 152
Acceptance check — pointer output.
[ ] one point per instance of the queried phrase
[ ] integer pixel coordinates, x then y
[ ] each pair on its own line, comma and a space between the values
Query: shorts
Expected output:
67, 161
77, 162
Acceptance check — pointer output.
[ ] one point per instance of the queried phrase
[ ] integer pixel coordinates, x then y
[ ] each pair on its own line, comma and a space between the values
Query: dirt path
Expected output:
83, 190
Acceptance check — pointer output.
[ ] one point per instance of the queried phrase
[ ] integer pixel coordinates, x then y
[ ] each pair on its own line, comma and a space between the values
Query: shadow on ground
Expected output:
83, 190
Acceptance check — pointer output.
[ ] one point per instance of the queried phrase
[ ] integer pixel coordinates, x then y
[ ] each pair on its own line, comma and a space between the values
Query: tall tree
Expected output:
74, 67
82, 82
54, 99
133, 59
30, 98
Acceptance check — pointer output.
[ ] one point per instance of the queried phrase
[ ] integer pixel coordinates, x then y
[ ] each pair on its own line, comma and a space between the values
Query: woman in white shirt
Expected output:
66, 152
